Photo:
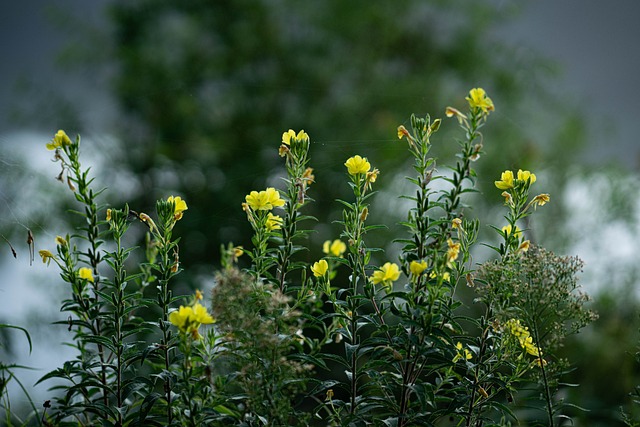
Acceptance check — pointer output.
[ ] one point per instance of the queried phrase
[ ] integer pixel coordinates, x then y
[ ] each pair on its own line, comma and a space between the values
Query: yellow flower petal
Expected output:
320, 268
356, 165
85, 273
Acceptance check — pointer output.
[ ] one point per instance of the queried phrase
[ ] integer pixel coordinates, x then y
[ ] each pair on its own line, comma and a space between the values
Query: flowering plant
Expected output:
350, 337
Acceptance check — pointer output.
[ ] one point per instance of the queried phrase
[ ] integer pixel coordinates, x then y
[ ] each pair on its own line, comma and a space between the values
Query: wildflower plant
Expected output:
349, 337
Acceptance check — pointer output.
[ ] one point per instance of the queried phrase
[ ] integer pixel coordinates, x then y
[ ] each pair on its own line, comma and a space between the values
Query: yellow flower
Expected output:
85, 273
273, 222
273, 197
286, 136
46, 255
445, 276
507, 230
238, 251
290, 134
386, 274
320, 268
264, 200
417, 267
60, 139
515, 328
453, 251
188, 319
506, 181
108, 215
179, 206
200, 315
456, 223
462, 353
335, 248
357, 164
199, 295
526, 176
61, 241
180, 318
478, 99
541, 200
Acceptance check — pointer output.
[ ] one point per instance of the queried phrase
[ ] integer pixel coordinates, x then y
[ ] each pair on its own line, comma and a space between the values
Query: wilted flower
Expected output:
524, 246
402, 132
508, 199
541, 200
372, 176
46, 255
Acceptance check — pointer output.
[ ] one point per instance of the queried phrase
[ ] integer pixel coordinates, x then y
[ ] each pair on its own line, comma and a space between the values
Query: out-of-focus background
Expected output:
191, 98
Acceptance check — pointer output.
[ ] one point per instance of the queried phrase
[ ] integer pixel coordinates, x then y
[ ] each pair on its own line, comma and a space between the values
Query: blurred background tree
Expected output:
204, 90
207, 88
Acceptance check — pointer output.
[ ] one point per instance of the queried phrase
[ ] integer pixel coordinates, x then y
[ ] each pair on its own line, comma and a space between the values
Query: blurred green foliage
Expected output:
207, 88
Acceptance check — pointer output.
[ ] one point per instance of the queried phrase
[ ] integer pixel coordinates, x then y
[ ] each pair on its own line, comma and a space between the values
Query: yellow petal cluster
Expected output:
417, 267
478, 99
179, 206
320, 268
335, 248
274, 222
461, 353
506, 181
507, 229
515, 328
387, 274
357, 164
264, 200
290, 134
453, 251
526, 176
85, 273
59, 140
188, 319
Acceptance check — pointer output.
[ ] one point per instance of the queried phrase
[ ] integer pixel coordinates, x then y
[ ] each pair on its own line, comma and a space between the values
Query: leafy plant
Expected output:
350, 339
